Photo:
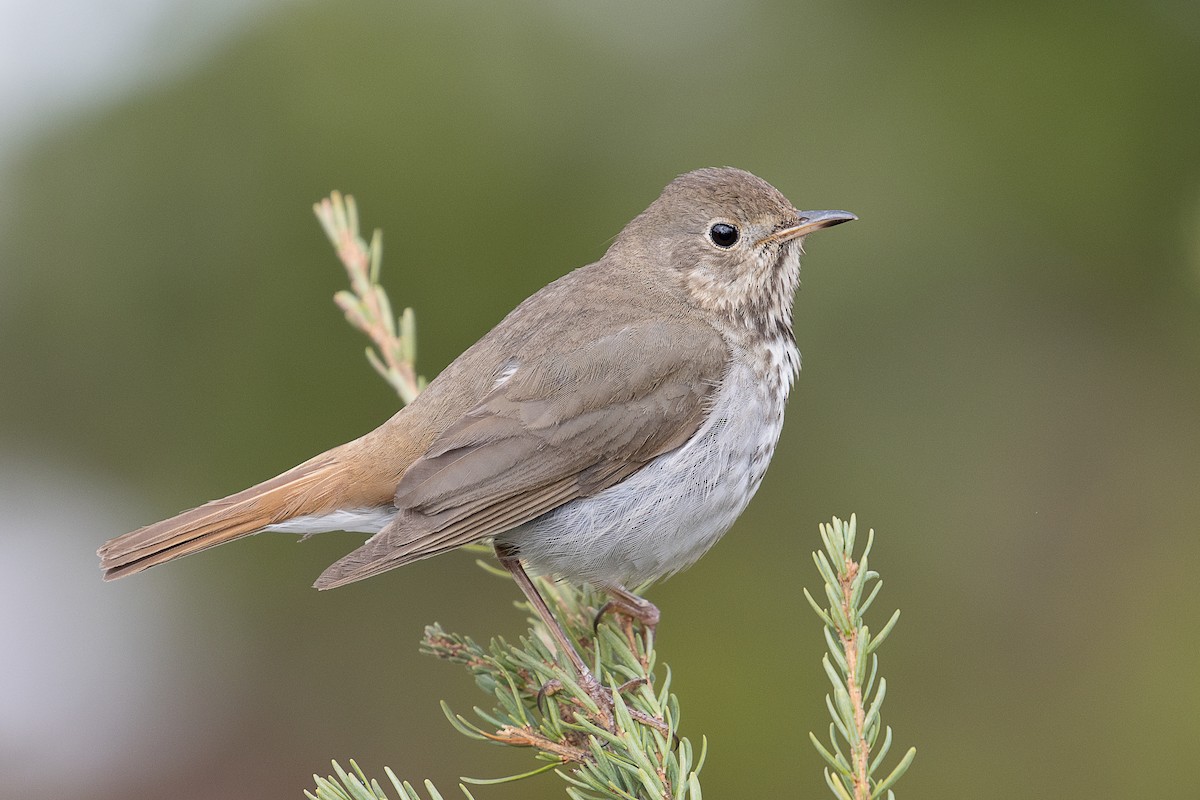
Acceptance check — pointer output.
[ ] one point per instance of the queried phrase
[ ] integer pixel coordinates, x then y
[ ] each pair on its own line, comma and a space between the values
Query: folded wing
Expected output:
569, 426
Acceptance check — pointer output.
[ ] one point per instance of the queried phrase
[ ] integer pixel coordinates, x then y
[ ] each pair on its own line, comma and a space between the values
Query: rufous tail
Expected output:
314, 487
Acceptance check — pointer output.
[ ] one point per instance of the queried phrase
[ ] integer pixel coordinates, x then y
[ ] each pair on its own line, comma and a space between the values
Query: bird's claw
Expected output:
648, 614
602, 696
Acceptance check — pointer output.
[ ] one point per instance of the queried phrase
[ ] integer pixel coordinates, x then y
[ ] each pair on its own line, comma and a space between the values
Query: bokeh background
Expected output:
1001, 373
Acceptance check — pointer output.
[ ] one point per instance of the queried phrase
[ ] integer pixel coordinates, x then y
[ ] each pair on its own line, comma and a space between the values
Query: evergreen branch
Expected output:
366, 304
539, 703
355, 786
855, 712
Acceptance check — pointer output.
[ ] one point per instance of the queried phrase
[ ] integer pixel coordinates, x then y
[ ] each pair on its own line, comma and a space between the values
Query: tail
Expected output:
314, 487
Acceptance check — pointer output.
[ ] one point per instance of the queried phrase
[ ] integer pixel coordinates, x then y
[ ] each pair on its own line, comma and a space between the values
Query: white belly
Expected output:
669, 513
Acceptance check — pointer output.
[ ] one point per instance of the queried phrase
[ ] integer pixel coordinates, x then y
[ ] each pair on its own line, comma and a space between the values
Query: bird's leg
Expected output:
600, 694
587, 680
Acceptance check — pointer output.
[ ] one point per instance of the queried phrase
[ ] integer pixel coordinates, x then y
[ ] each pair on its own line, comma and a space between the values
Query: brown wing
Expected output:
568, 426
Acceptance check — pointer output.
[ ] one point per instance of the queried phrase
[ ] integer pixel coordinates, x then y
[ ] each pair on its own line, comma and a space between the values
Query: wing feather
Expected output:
566, 426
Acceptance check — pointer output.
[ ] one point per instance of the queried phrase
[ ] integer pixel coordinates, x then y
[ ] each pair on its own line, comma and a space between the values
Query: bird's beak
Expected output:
809, 221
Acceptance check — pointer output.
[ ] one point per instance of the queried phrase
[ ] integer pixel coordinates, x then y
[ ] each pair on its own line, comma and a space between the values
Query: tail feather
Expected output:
310, 488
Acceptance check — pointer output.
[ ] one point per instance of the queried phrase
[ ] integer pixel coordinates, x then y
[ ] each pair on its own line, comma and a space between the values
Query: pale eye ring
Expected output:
723, 235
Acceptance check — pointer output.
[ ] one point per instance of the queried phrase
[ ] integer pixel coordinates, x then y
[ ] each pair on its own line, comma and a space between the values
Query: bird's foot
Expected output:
627, 604
629, 607
602, 696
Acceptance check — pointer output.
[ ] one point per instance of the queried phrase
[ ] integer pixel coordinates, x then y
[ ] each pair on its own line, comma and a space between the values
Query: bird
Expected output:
608, 430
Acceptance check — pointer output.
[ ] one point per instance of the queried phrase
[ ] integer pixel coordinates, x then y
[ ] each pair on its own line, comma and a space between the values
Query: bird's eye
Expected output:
723, 235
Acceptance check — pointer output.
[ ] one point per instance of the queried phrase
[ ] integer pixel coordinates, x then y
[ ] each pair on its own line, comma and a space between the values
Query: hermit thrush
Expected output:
608, 430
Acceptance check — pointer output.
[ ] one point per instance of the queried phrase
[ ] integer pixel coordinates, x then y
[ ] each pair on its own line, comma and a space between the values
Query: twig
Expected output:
855, 722
366, 304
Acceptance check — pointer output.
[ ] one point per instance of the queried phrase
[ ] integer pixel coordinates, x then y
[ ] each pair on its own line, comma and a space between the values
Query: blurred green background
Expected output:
1001, 371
